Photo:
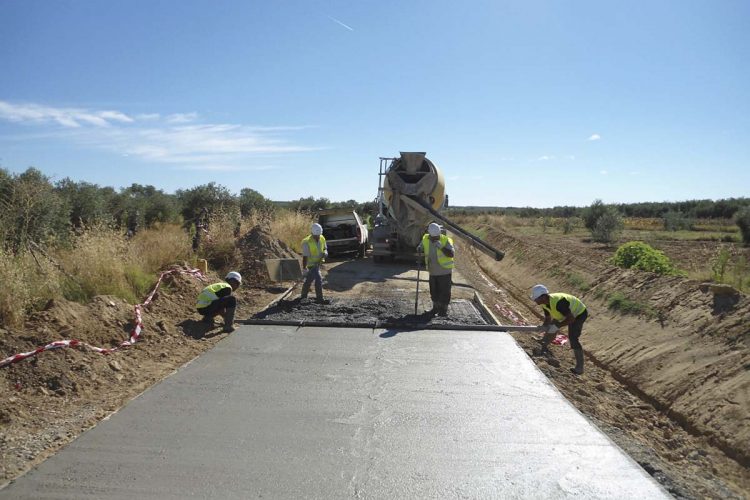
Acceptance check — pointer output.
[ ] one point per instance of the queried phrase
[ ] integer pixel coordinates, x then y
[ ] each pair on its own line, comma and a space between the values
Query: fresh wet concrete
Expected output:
289, 412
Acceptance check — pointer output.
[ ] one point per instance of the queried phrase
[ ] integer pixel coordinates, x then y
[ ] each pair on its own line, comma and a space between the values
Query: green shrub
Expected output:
719, 265
593, 213
640, 255
674, 220
742, 219
608, 226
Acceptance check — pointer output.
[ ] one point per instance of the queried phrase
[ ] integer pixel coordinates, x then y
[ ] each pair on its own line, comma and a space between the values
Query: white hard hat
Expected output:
433, 229
234, 275
538, 291
316, 229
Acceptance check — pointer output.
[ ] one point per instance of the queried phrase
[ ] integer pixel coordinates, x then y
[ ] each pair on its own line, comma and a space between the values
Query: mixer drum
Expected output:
414, 175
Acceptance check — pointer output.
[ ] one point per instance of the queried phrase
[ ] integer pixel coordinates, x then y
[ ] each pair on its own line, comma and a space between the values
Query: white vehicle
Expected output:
344, 231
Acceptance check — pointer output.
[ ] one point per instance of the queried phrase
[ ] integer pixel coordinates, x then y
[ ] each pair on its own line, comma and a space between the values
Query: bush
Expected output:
639, 255
742, 219
607, 227
676, 221
593, 213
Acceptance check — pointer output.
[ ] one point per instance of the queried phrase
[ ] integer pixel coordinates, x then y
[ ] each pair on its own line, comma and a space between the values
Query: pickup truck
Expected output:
344, 231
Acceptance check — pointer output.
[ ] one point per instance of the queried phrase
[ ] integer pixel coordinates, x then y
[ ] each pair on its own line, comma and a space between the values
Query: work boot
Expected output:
229, 320
578, 370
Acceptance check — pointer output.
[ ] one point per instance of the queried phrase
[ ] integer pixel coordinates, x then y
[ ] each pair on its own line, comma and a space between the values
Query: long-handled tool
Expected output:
416, 298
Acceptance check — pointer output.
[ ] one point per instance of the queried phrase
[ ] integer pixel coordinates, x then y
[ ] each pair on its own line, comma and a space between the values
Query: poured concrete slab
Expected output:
280, 412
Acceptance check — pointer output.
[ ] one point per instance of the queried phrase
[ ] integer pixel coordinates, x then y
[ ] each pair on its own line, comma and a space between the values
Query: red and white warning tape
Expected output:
134, 335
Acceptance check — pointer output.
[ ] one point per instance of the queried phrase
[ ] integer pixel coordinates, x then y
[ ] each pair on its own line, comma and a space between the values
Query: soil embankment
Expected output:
685, 354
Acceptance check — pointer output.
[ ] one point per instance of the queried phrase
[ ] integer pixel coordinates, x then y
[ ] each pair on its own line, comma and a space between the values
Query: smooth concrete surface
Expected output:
280, 412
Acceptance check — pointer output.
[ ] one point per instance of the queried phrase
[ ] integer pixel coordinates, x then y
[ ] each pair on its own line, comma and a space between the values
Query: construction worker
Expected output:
438, 253
217, 300
561, 309
314, 253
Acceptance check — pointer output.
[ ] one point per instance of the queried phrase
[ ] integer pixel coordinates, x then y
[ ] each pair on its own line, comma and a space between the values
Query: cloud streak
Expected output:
66, 117
179, 139
594, 137
340, 23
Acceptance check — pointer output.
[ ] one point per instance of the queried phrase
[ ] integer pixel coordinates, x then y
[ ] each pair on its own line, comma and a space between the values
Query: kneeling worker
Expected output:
217, 299
562, 309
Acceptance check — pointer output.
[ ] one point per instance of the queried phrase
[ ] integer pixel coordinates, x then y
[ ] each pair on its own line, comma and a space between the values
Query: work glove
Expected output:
552, 328
304, 272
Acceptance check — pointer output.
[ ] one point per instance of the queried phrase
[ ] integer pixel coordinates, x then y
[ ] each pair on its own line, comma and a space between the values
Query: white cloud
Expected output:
594, 137
570, 157
67, 117
603, 172
545, 158
175, 139
177, 118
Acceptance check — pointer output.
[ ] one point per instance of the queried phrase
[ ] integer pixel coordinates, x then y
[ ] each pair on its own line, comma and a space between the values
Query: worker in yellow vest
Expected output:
217, 300
314, 253
562, 309
439, 253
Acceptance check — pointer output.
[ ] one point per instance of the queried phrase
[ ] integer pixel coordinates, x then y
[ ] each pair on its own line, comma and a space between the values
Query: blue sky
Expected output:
520, 103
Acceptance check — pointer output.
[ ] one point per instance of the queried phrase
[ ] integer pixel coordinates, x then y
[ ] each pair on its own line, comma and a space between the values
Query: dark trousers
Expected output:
313, 273
440, 291
218, 306
575, 329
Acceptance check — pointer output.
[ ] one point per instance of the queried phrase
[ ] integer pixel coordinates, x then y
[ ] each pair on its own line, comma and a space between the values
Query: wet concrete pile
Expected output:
369, 311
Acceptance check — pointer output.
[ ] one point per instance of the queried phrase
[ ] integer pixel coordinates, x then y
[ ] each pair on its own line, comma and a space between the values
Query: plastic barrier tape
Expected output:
134, 335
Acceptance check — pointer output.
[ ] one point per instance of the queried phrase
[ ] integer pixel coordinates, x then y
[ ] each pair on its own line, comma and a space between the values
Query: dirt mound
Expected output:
255, 246
684, 349
48, 399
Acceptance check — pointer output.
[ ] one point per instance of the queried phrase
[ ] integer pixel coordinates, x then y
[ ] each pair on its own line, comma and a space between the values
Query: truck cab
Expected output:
344, 231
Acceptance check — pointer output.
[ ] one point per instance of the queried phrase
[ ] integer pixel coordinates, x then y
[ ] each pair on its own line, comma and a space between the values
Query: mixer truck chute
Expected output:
411, 191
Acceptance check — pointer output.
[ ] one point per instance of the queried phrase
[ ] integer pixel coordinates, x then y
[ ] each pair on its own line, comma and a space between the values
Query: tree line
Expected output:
35, 209
695, 209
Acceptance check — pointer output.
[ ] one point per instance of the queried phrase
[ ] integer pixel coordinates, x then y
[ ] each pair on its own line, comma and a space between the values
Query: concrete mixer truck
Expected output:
411, 191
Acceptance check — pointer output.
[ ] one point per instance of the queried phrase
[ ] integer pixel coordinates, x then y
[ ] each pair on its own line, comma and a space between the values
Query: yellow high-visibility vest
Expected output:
444, 261
576, 305
316, 256
208, 294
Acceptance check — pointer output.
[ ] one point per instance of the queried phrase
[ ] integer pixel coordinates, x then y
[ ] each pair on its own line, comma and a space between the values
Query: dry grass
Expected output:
27, 285
102, 263
155, 248
218, 246
291, 228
